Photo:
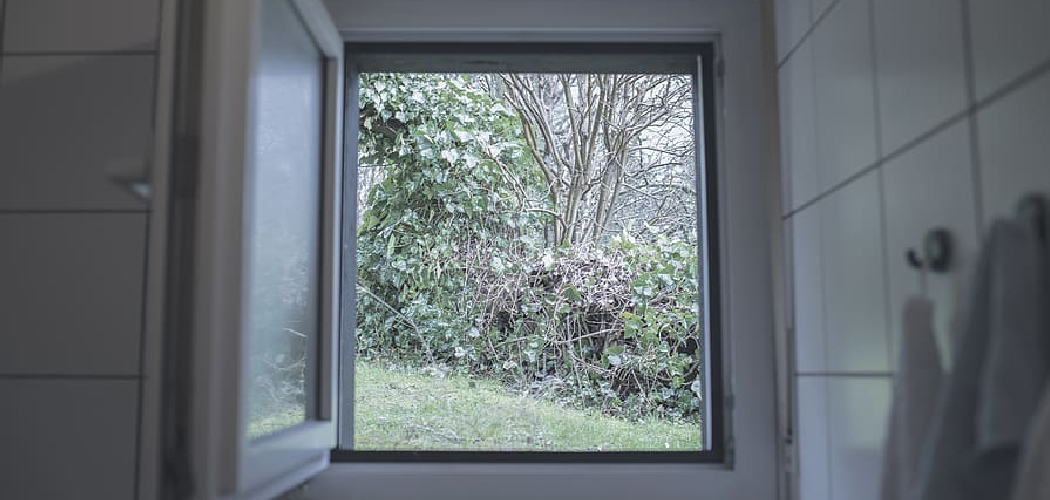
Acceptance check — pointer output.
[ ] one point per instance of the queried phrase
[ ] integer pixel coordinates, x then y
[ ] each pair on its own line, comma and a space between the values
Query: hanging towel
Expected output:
998, 373
916, 385
1033, 474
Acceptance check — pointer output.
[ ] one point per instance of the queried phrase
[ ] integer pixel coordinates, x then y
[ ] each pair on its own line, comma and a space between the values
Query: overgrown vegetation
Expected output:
496, 240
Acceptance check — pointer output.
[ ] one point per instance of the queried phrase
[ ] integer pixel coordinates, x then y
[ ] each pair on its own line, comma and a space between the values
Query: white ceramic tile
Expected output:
854, 282
1015, 150
845, 93
798, 140
78, 26
807, 289
65, 439
1009, 38
921, 71
857, 412
792, 21
71, 293
64, 121
813, 445
930, 187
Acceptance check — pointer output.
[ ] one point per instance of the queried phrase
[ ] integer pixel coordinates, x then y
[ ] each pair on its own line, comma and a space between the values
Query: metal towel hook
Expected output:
936, 253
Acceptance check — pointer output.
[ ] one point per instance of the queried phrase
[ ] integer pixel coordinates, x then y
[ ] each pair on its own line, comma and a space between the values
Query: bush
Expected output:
453, 272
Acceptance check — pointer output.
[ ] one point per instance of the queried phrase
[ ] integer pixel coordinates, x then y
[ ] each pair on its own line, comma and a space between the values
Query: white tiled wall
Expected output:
1009, 39
76, 102
794, 18
1015, 147
900, 146
921, 72
66, 120
845, 102
799, 125
68, 439
854, 284
943, 163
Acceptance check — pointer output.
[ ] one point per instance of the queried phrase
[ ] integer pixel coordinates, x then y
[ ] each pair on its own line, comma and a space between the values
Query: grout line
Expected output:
976, 164
75, 53
53, 376
881, 183
809, 32
1018, 83
143, 302
876, 95
830, 374
48, 211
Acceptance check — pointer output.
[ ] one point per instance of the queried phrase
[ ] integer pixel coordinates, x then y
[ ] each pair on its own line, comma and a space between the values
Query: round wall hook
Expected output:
936, 253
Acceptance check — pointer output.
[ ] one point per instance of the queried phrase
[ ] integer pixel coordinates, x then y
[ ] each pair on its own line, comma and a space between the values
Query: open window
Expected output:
528, 238
255, 397
270, 395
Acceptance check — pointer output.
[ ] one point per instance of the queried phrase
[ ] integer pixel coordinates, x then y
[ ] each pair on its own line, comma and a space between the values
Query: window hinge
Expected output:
789, 450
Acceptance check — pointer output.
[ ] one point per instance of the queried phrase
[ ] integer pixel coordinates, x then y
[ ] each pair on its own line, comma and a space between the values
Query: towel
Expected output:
916, 385
1033, 479
998, 374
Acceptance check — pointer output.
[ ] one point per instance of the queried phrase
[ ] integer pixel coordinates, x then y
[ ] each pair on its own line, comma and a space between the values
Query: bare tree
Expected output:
612, 148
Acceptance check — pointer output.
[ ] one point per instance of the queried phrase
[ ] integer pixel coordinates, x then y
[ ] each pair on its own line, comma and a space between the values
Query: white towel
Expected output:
1033, 480
916, 385
998, 373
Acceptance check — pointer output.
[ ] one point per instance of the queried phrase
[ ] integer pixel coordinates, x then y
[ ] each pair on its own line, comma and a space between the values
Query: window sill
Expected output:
457, 481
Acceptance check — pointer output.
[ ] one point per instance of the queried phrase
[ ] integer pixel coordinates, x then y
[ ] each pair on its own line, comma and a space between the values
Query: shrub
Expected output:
453, 273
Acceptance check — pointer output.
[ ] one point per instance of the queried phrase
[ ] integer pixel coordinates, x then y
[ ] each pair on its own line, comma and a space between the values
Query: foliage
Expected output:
454, 272
447, 212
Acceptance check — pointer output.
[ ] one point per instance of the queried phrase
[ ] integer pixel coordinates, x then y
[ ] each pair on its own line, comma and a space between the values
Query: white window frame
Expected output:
750, 470
611, 57
225, 463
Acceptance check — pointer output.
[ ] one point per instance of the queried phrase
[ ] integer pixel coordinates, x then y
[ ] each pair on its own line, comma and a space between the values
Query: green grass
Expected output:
276, 421
411, 410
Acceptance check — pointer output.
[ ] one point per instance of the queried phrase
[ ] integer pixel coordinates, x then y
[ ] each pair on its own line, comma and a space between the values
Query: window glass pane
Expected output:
285, 208
528, 264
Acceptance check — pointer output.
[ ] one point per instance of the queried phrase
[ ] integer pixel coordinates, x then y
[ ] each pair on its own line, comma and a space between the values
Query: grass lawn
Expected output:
410, 410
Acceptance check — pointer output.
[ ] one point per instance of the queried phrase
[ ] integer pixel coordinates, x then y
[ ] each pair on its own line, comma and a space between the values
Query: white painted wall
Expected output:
896, 116
77, 91
78, 83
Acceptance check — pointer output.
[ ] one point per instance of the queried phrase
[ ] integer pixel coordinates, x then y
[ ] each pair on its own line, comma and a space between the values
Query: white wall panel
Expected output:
931, 187
813, 446
811, 342
793, 19
798, 139
1009, 38
857, 411
921, 69
845, 93
64, 121
856, 332
1015, 150
80, 26
68, 439
71, 294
